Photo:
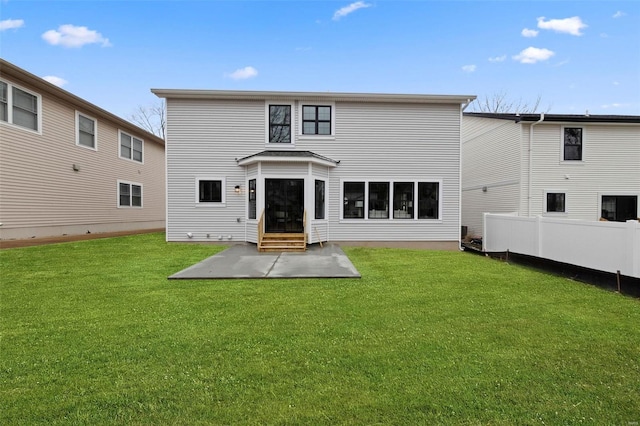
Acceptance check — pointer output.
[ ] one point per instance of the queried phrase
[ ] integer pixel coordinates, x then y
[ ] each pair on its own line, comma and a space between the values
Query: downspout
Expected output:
464, 106
530, 172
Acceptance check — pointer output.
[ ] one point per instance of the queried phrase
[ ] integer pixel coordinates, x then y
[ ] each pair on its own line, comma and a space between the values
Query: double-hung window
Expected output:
279, 123
86, 131
572, 144
130, 147
19, 107
129, 194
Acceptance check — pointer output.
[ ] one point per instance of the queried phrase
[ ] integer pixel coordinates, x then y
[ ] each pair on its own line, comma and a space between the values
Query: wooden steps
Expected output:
283, 242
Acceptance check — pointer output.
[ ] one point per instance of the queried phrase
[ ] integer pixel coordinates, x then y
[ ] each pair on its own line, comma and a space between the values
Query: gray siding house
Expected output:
340, 167
69, 167
569, 166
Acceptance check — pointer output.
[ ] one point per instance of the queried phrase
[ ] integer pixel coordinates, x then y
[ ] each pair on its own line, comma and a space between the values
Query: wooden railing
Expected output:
304, 226
260, 229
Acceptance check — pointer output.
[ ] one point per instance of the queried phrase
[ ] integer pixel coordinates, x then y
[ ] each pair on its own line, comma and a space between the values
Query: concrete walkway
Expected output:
244, 261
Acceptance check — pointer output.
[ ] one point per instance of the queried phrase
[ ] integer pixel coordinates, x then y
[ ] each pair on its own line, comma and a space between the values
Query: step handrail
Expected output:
260, 229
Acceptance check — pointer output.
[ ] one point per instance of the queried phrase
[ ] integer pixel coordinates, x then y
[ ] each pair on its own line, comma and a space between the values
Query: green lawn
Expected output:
94, 333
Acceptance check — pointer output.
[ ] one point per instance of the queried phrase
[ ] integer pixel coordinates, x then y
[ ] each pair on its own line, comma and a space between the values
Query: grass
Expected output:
94, 333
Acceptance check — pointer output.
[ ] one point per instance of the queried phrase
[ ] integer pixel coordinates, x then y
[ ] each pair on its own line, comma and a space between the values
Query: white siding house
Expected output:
564, 166
69, 167
360, 167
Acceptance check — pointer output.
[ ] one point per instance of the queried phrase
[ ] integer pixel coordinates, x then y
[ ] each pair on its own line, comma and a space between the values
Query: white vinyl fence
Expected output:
604, 246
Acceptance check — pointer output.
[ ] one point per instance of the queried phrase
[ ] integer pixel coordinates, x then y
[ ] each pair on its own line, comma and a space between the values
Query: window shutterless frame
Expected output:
210, 191
86, 131
129, 194
316, 120
572, 144
554, 202
20, 107
130, 147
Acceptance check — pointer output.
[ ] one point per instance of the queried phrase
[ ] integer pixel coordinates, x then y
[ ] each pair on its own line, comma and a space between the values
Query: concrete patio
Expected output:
244, 261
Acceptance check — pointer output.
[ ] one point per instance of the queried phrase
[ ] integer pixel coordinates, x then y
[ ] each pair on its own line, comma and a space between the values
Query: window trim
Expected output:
566, 202
582, 144
120, 133
391, 182
214, 204
248, 199
131, 184
95, 133
277, 145
9, 121
299, 132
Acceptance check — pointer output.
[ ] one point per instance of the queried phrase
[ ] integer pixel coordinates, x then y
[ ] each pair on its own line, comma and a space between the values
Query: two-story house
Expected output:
356, 167
69, 167
569, 166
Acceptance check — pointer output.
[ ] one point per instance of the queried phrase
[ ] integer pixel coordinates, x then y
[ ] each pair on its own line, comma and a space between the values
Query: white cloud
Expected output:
58, 81
616, 83
498, 58
571, 25
469, 68
9, 24
614, 105
619, 14
344, 11
72, 36
531, 55
526, 32
243, 73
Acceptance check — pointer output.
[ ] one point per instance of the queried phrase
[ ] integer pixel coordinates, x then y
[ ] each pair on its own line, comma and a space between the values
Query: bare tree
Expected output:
152, 118
499, 102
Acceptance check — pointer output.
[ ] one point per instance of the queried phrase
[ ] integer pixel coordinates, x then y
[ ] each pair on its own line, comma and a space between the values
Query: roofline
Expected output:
558, 118
11, 71
293, 158
324, 96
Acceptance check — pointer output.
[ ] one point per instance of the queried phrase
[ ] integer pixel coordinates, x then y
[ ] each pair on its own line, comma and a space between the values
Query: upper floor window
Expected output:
130, 147
129, 194
572, 144
19, 107
279, 123
87, 131
316, 120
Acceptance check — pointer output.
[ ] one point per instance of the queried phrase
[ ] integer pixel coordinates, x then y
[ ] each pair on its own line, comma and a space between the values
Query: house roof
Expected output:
288, 157
311, 96
21, 76
574, 118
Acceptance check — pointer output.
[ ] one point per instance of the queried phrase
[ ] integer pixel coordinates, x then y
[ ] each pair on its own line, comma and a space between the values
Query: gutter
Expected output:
529, 190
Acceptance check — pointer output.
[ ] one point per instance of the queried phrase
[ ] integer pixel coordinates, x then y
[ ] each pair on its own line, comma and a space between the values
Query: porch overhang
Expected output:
287, 157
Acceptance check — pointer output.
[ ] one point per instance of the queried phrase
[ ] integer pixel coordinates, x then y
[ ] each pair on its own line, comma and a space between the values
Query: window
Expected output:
319, 200
379, 200
19, 107
555, 202
87, 132
371, 200
572, 144
210, 191
279, 123
316, 120
403, 200
619, 208
252, 199
129, 194
130, 147
354, 200
428, 200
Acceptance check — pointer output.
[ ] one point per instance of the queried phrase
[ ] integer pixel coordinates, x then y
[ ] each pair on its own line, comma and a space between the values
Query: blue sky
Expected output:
576, 56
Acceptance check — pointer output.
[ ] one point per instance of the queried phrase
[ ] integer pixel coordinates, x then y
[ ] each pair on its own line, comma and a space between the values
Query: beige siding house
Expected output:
567, 166
70, 167
341, 167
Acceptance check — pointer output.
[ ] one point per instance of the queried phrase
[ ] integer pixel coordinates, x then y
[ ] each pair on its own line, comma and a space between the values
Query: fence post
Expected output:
633, 247
538, 236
